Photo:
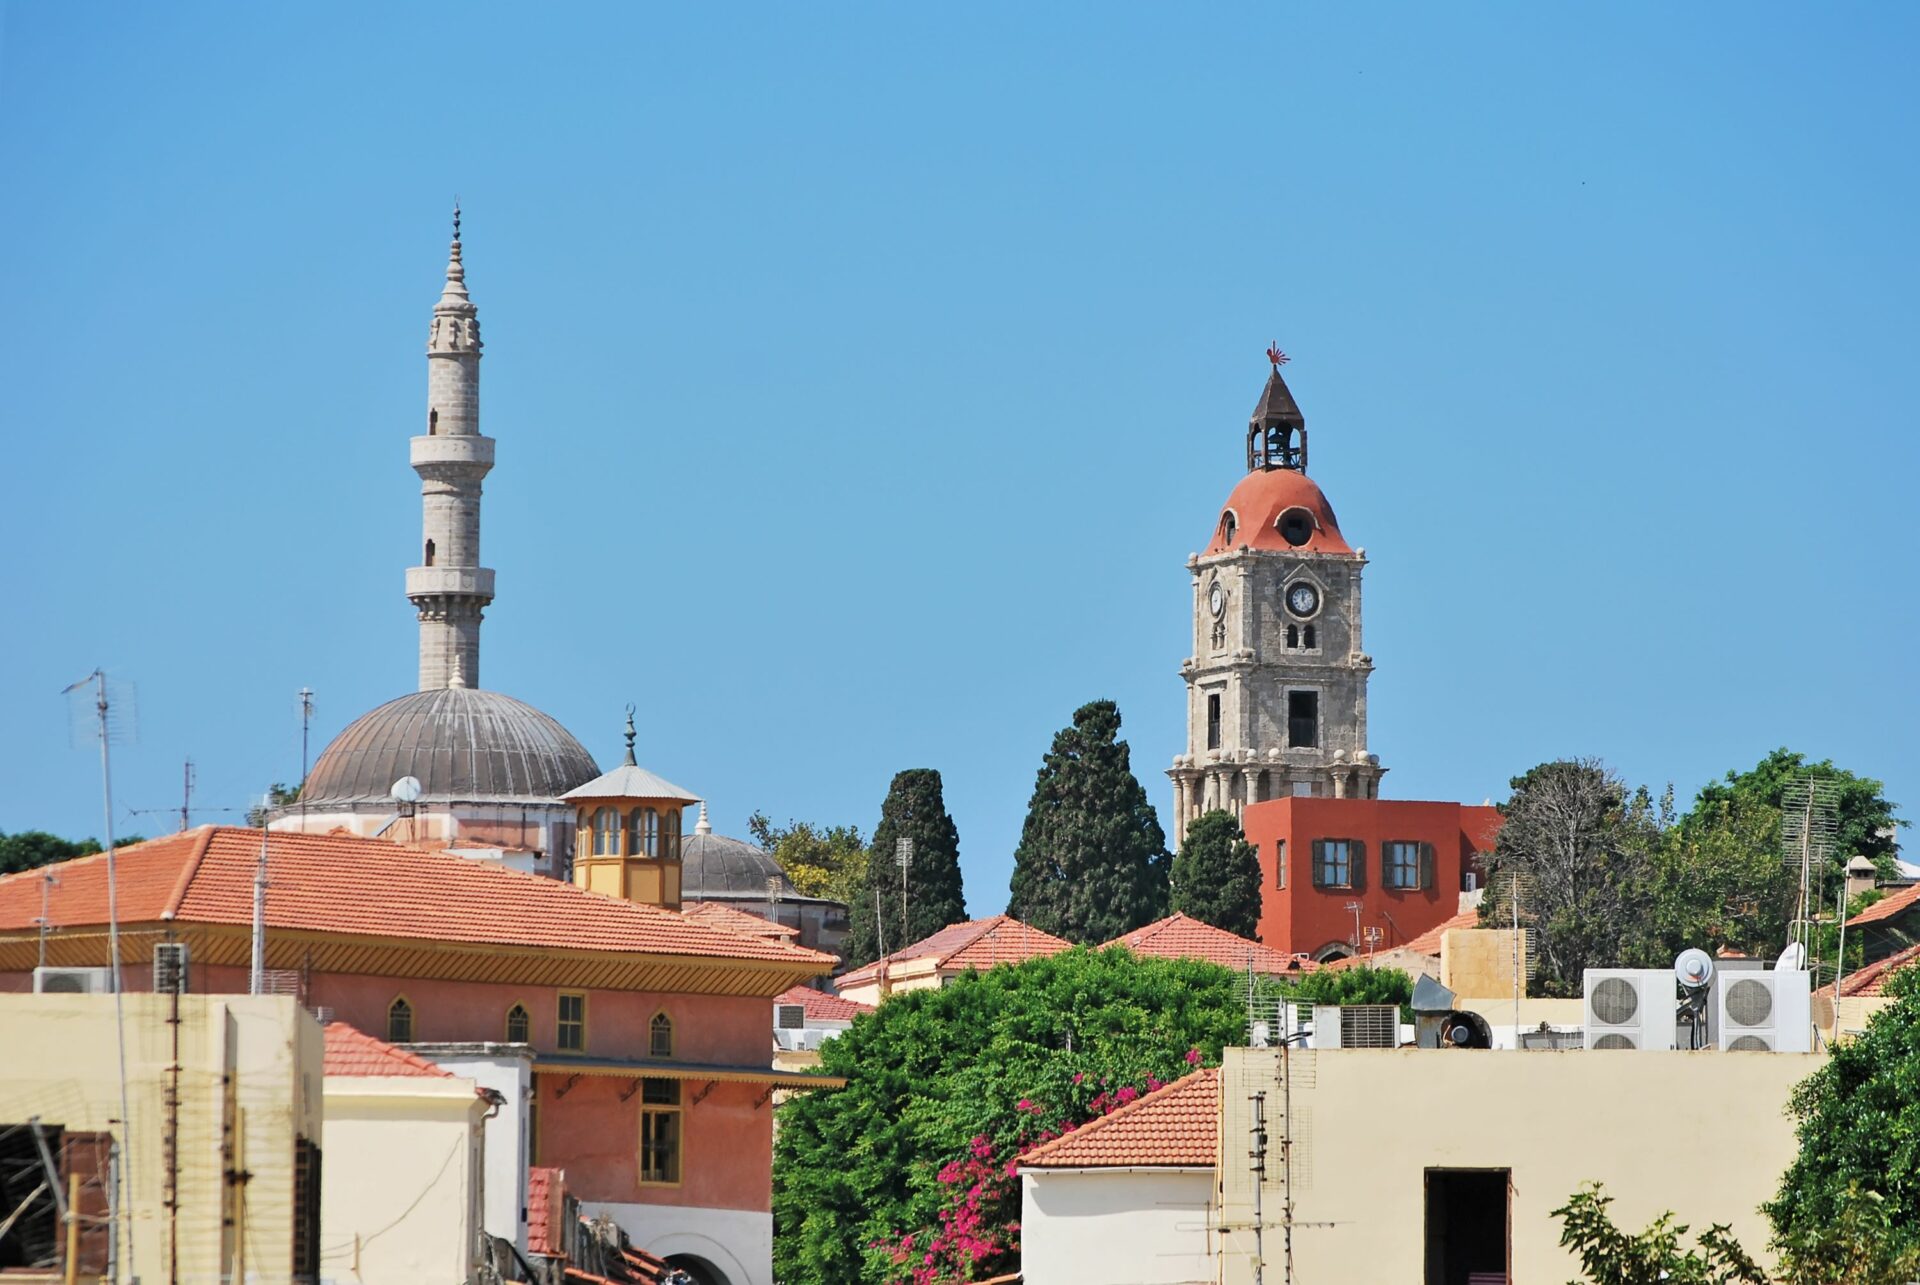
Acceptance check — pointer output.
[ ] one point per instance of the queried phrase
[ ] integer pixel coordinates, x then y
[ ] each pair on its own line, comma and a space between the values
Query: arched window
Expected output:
519, 1025
1310, 638
1229, 525
400, 1021
433, 422
1293, 635
429, 561
670, 845
643, 839
660, 1036
606, 832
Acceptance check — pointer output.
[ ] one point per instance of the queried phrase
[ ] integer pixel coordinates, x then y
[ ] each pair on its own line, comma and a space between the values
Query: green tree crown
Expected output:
1216, 876
915, 809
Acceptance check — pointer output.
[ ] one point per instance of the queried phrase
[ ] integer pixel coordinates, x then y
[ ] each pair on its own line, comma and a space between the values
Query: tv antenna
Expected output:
903, 857
306, 725
186, 809
1809, 834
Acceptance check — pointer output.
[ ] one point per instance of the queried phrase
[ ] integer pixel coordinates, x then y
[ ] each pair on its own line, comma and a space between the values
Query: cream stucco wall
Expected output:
402, 1182
248, 1064
737, 1244
1702, 1134
1480, 961
1107, 1226
906, 975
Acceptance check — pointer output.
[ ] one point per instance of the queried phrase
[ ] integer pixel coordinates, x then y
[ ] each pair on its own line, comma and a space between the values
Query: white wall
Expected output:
1115, 1227
738, 1242
508, 1070
400, 1185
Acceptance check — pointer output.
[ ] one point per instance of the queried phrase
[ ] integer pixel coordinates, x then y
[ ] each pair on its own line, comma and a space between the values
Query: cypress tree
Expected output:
1092, 861
1216, 877
915, 809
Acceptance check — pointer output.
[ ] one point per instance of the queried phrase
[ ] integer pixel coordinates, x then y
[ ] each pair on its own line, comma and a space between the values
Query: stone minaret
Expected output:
450, 587
1277, 682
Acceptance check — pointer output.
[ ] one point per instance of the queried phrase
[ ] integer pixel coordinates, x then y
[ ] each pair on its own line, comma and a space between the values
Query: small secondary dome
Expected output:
463, 744
714, 867
1277, 509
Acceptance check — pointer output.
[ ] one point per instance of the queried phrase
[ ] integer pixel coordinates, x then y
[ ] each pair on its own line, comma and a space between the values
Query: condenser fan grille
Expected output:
1615, 1001
1749, 1003
1614, 1041
1749, 1044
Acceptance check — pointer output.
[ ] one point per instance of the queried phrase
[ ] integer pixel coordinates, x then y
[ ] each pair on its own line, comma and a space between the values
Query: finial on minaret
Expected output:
701, 826
629, 759
1274, 354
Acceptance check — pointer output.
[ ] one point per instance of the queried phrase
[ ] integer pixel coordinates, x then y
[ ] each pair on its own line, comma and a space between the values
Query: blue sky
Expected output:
863, 376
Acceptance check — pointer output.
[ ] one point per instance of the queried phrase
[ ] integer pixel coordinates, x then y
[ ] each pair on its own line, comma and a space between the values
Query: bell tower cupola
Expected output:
449, 588
1276, 419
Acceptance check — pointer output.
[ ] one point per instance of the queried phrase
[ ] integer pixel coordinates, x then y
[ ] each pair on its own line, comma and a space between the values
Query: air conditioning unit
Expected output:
72, 981
170, 968
1356, 1026
1630, 1008
1764, 1010
789, 1017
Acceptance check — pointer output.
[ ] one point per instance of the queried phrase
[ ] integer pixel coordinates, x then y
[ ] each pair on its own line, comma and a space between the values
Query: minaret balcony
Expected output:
453, 451
435, 582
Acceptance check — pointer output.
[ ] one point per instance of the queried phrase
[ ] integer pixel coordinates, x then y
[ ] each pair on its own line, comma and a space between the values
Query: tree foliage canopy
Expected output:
1216, 876
31, 849
819, 860
933, 1072
1610, 1256
1092, 862
916, 809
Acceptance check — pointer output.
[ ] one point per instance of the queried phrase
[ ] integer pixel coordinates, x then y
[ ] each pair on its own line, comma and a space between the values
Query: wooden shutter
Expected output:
1356, 865
1426, 866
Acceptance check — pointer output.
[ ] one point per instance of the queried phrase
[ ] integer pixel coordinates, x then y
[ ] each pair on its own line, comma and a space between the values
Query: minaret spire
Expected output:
449, 588
629, 761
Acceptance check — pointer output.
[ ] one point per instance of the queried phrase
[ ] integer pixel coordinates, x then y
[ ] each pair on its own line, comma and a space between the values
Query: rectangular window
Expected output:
1338, 863
659, 1131
1279, 863
1404, 864
1213, 720
571, 1033
1468, 1225
1303, 720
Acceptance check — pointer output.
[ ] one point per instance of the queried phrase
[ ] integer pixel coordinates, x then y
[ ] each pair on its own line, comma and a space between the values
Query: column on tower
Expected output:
449, 588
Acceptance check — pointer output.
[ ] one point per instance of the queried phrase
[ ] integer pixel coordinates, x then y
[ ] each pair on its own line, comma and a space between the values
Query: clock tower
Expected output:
1277, 682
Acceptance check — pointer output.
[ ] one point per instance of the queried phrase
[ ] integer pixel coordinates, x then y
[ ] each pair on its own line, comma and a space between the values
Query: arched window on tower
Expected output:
400, 1021
433, 422
670, 839
1311, 643
643, 833
429, 561
519, 1025
606, 832
1293, 635
1228, 526
660, 1036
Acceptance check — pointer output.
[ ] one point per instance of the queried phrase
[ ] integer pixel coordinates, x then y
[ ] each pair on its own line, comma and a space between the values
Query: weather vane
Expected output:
1275, 356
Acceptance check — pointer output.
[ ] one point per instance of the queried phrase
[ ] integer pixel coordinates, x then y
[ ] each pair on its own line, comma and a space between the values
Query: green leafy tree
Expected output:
1716, 880
1092, 862
1867, 824
1360, 984
916, 809
31, 849
279, 795
1609, 1256
1853, 1191
819, 860
1216, 876
935, 1074
1577, 848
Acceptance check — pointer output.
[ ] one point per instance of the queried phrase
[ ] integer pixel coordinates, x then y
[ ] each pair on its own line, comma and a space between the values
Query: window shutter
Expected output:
1357, 865
1317, 859
1426, 866
1279, 863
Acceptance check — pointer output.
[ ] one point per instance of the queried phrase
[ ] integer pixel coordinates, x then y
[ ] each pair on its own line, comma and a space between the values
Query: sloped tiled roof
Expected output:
721, 915
823, 1007
978, 943
1872, 979
546, 1189
1180, 936
354, 1052
367, 887
1888, 907
1428, 942
1175, 1126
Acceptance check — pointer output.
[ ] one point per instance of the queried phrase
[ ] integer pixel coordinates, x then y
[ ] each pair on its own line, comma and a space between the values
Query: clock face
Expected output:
1303, 599
1217, 598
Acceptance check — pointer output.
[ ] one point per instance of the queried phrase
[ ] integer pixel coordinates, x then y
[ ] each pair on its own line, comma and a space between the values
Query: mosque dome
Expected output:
1278, 509
714, 867
460, 743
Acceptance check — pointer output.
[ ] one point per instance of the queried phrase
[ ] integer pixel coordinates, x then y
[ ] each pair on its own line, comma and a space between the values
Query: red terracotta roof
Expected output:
1428, 942
821, 1006
978, 943
1176, 1126
720, 915
367, 887
1889, 906
353, 1052
1179, 936
1257, 503
546, 1194
1872, 979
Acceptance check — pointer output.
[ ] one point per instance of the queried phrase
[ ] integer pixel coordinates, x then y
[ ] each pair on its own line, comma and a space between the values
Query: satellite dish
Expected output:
406, 790
1792, 959
1262, 1035
1694, 968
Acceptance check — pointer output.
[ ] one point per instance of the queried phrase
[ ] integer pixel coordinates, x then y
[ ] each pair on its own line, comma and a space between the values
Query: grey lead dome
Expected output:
462, 744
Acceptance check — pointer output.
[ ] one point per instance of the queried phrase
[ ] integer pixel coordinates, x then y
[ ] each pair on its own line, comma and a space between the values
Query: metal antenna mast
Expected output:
306, 723
903, 856
1259, 1155
257, 984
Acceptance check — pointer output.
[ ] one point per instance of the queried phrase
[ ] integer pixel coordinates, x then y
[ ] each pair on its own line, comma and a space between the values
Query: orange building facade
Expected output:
1343, 877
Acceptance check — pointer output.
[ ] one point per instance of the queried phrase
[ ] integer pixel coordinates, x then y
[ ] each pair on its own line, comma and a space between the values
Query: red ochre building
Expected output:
639, 1037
